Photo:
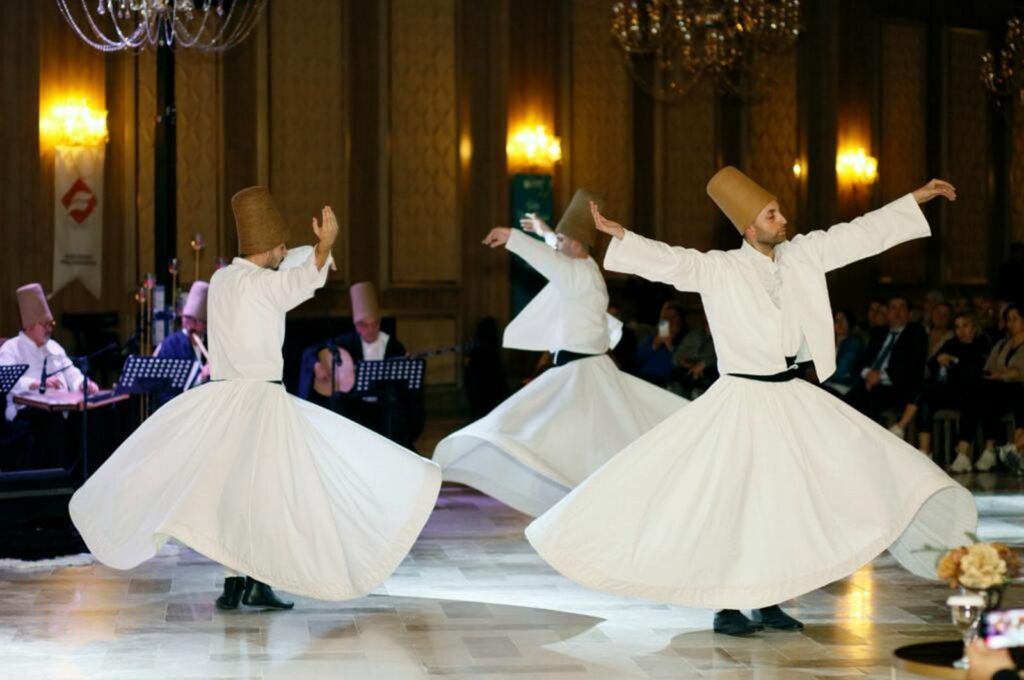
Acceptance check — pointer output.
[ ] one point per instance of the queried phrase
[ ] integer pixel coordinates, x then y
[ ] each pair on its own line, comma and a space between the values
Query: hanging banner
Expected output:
78, 217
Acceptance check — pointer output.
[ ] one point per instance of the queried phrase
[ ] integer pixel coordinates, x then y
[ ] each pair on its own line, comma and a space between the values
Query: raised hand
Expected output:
534, 225
604, 224
327, 233
936, 187
497, 237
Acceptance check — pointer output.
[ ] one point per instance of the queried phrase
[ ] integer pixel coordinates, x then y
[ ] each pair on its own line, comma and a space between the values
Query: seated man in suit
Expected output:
367, 343
892, 372
188, 343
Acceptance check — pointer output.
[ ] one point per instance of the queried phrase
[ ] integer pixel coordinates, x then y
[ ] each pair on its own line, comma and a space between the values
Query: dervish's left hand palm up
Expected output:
606, 225
936, 187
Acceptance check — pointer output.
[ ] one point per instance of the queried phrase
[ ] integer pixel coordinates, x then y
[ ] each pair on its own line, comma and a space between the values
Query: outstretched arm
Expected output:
554, 266
878, 230
630, 253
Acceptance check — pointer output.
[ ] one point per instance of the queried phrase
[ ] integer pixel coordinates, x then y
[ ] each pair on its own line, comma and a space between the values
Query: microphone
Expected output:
42, 378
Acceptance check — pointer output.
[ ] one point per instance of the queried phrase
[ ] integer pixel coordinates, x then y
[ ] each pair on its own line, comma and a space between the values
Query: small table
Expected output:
63, 400
928, 659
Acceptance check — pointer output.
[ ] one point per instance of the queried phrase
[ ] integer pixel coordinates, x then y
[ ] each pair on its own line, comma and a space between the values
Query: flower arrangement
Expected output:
979, 566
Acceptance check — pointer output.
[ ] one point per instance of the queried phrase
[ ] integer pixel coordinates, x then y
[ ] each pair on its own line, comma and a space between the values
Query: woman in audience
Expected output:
849, 347
654, 354
1001, 392
940, 321
954, 379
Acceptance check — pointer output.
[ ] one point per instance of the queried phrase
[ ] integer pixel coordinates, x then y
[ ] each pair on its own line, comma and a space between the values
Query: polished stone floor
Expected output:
472, 600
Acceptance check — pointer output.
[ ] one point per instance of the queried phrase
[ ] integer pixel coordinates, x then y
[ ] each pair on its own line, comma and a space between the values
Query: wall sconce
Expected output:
798, 169
856, 167
533, 147
75, 125
78, 134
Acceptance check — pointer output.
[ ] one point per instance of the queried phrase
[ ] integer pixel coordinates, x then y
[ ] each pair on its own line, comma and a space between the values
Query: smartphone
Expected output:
1002, 628
663, 330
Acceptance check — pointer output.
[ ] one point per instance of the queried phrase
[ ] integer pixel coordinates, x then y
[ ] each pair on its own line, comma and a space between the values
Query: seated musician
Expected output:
31, 436
189, 343
367, 343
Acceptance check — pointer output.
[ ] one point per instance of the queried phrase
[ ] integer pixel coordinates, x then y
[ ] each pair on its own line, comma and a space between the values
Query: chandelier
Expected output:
207, 25
671, 45
1003, 79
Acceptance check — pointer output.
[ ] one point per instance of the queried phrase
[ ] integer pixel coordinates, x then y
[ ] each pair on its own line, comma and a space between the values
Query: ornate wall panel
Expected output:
967, 240
423, 216
198, 98
419, 334
1017, 176
685, 145
903, 156
145, 92
308, 116
601, 143
772, 144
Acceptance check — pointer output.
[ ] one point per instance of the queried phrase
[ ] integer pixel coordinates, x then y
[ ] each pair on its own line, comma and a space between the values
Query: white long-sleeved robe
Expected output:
264, 483
549, 436
757, 492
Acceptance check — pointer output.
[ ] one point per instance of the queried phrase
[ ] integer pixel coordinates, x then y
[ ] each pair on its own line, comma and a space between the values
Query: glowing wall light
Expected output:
854, 166
74, 125
798, 169
532, 146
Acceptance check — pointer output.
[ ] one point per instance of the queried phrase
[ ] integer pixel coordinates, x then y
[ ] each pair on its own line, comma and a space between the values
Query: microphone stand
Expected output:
82, 362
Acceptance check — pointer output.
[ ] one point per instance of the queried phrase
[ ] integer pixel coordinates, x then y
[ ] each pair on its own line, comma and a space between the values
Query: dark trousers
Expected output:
877, 400
994, 400
943, 396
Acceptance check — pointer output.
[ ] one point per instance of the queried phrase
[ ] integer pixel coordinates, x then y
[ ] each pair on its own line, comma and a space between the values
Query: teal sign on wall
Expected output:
529, 194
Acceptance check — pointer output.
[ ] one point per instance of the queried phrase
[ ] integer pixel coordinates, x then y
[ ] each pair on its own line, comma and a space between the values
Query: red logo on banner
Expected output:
79, 201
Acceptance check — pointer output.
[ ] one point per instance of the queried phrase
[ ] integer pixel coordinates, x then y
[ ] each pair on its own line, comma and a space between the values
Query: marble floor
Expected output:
472, 600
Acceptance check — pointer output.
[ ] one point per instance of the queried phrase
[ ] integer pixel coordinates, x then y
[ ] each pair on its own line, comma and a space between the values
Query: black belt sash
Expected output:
563, 357
790, 373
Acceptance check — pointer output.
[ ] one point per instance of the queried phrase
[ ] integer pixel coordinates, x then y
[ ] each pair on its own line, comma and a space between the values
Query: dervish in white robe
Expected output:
549, 436
764, 487
252, 477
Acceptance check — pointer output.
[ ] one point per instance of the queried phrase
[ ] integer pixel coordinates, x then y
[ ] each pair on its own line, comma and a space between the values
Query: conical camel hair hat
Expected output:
364, 301
258, 221
577, 222
32, 305
195, 305
738, 196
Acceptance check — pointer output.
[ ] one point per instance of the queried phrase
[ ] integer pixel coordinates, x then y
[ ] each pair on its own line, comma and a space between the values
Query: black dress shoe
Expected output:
259, 594
232, 595
733, 622
774, 617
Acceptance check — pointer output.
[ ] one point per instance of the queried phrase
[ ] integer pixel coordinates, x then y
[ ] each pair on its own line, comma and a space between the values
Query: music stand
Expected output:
10, 374
385, 376
142, 375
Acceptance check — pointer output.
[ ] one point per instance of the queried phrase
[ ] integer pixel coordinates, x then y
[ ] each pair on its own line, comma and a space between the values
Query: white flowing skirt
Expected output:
538, 444
753, 494
264, 483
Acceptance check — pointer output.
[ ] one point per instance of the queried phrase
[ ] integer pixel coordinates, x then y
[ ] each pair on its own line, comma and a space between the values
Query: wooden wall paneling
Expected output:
483, 72
145, 163
200, 160
121, 269
27, 243
685, 134
903, 156
69, 71
308, 86
772, 144
420, 334
601, 139
422, 236
1016, 172
967, 241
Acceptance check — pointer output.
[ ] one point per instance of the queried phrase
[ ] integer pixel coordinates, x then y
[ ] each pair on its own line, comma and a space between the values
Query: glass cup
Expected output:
965, 611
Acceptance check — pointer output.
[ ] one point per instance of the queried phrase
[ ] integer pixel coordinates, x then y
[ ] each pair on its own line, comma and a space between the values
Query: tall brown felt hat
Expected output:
577, 222
738, 196
258, 221
32, 305
364, 301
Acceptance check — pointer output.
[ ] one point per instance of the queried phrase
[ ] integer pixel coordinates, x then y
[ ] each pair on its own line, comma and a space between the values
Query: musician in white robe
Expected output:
268, 485
545, 439
765, 487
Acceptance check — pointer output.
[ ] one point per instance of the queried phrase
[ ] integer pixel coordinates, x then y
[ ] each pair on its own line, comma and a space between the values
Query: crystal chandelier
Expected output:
1003, 79
671, 45
208, 25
